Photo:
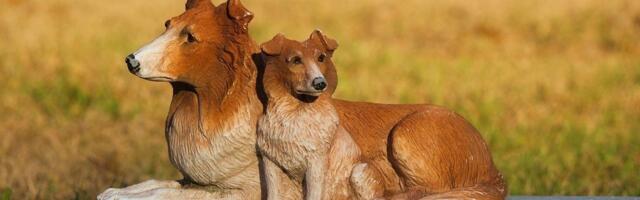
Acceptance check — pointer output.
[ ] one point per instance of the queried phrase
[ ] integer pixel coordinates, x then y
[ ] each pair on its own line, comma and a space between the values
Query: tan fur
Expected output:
418, 149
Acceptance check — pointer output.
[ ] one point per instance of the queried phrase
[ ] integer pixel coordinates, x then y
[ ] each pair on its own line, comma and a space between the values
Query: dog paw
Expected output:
120, 194
109, 194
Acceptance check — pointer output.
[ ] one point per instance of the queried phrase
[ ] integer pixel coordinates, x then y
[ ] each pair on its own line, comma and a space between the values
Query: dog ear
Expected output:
331, 75
195, 3
328, 43
274, 46
239, 14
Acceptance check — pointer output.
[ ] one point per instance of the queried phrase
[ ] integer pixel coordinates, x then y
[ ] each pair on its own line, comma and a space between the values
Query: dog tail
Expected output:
496, 190
476, 193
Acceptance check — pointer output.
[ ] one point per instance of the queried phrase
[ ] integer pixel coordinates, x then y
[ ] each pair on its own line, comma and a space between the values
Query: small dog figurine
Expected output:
300, 134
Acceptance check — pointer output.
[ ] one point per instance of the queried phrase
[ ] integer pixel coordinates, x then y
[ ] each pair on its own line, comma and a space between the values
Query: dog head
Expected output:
302, 69
194, 47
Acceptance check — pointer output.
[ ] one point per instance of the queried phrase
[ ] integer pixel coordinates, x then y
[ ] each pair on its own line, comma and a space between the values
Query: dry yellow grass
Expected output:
554, 86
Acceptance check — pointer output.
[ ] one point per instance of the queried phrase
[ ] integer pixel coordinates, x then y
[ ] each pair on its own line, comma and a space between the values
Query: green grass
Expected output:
5, 194
66, 97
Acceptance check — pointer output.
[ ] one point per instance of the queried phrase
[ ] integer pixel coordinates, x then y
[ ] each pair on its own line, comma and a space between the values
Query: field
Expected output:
554, 86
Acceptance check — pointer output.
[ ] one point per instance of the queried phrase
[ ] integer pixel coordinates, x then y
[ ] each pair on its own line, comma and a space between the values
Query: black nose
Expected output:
132, 64
319, 83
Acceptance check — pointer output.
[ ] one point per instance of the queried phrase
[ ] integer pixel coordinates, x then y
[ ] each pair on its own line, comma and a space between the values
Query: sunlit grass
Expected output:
554, 87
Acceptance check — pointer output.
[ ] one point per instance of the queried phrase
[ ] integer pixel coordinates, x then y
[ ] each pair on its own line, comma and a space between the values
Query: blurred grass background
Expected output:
554, 86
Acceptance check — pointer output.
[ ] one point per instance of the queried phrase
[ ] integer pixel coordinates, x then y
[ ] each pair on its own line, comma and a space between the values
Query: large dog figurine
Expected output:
208, 57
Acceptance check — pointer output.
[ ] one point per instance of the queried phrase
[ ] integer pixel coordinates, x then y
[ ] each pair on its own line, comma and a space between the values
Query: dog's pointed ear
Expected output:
239, 14
328, 43
274, 46
195, 3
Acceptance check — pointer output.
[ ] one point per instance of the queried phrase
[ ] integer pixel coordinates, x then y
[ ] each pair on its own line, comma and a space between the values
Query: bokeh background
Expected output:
554, 86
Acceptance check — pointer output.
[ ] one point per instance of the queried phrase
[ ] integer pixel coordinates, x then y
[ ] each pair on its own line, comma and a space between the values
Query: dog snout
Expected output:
132, 64
319, 83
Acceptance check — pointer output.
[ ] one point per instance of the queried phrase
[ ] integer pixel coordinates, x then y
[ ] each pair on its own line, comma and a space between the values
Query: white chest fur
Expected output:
215, 155
290, 135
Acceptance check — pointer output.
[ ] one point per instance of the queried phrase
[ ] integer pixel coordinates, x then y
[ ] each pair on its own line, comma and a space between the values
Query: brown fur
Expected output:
424, 149
419, 149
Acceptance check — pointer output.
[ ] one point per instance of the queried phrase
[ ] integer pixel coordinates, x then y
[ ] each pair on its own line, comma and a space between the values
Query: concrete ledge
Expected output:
570, 198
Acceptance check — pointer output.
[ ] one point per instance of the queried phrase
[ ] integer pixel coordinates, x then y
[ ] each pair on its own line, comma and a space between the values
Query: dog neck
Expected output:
284, 102
214, 102
204, 119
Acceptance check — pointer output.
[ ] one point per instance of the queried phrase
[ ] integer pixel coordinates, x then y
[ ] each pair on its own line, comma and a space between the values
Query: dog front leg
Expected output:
314, 178
139, 188
191, 194
272, 179
277, 184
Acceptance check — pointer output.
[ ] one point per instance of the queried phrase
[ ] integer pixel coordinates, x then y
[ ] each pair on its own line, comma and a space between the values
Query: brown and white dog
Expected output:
299, 134
206, 55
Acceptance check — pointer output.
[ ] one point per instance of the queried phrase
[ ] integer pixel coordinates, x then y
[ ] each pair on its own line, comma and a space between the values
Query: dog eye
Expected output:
167, 24
296, 60
191, 38
186, 32
321, 58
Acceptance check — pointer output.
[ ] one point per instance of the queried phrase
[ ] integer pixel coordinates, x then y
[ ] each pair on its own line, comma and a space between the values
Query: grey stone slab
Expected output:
571, 198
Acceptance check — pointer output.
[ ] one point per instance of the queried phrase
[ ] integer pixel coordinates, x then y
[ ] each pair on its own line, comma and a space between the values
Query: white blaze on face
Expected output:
313, 71
152, 57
